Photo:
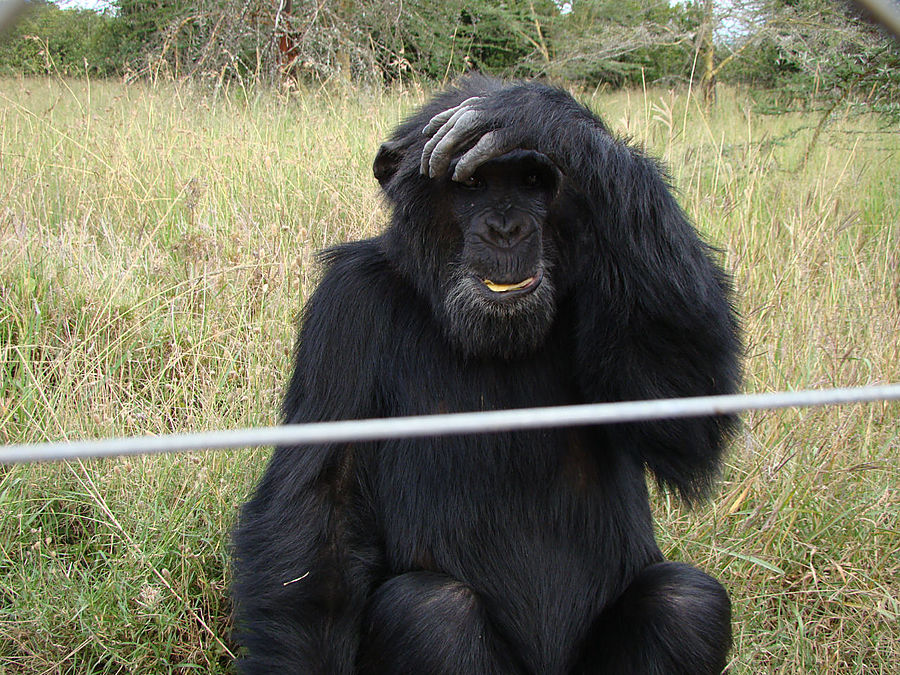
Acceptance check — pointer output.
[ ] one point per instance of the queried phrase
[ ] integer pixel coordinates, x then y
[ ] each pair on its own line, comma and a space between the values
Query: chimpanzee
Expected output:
532, 259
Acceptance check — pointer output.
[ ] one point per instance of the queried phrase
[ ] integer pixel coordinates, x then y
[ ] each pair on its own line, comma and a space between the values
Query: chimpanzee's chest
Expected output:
546, 526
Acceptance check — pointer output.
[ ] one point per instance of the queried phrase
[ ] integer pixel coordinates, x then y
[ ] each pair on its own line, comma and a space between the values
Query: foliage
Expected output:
48, 39
860, 58
814, 50
803, 50
441, 39
396, 39
624, 42
181, 38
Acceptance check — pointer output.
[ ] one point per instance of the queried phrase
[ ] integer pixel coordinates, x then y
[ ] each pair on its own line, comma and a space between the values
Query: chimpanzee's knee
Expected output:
423, 622
672, 619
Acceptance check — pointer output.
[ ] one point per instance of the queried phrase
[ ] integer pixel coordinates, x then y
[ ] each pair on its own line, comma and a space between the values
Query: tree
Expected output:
623, 41
50, 39
808, 49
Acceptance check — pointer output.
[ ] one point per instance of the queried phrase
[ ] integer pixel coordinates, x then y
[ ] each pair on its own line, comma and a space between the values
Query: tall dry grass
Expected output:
156, 246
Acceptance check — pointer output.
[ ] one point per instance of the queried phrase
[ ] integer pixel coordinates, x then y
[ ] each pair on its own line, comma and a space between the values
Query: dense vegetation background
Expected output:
801, 51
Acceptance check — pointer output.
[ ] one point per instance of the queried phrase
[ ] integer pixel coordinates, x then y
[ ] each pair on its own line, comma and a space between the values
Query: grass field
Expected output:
156, 245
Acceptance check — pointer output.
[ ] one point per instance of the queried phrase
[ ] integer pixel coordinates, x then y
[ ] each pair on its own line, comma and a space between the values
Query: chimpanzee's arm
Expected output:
654, 313
305, 550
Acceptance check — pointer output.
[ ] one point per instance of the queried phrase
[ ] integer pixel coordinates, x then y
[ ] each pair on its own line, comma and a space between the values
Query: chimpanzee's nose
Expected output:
505, 229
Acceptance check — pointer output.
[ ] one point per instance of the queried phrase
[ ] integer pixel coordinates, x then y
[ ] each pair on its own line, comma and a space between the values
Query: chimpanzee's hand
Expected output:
457, 128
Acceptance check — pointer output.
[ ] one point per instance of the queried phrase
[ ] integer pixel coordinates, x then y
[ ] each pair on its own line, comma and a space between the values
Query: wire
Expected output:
442, 425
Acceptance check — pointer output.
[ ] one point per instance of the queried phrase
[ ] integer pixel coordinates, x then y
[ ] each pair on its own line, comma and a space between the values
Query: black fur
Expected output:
517, 552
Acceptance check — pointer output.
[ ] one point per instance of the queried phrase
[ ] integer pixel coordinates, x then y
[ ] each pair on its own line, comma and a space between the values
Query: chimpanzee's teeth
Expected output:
503, 288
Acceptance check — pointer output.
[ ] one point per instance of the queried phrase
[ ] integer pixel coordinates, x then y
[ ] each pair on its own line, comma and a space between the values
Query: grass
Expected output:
157, 243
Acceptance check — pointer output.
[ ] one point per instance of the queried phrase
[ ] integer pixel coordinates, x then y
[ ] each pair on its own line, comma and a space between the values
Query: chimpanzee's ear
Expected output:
388, 159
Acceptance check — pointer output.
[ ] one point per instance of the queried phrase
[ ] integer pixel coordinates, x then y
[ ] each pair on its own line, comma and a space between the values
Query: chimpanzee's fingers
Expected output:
463, 128
491, 145
440, 119
438, 136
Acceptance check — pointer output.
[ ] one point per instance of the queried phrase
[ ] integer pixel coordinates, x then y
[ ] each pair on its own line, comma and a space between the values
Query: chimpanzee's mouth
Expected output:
519, 288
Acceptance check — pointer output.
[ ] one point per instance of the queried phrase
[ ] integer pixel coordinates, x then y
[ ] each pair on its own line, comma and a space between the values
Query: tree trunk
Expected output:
708, 54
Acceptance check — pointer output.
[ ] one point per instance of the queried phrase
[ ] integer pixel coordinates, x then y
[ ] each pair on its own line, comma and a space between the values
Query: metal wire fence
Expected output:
437, 425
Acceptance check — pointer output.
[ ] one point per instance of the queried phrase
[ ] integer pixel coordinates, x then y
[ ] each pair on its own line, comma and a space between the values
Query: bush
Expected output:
67, 41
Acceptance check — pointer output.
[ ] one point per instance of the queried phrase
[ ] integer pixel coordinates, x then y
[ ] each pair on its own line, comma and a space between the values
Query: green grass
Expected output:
157, 244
